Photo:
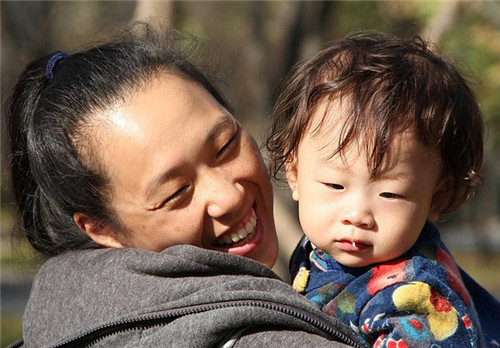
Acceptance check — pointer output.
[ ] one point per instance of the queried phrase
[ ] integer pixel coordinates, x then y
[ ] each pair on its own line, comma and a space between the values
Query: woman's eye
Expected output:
335, 186
390, 195
228, 145
174, 197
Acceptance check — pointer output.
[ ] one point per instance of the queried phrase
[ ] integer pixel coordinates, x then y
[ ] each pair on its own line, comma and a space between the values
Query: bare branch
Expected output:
442, 22
154, 12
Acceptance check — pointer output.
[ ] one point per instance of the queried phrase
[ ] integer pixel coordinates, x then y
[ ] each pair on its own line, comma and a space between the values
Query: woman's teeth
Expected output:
239, 235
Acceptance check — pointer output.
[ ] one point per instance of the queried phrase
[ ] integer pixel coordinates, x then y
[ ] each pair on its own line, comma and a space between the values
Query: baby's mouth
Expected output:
240, 236
352, 245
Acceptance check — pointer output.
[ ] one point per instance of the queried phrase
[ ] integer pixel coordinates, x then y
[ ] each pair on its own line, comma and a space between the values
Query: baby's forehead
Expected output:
331, 119
403, 149
327, 140
336, 118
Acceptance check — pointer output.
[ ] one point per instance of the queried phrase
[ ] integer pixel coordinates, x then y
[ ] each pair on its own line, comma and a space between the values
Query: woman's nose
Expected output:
224, 196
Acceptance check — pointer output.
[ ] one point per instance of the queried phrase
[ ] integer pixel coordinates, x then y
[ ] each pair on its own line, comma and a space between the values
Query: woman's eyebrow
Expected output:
155, 184
220, 126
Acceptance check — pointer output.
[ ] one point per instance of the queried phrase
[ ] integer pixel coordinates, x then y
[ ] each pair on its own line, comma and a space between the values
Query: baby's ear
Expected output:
291, 176
100, 233
440, 198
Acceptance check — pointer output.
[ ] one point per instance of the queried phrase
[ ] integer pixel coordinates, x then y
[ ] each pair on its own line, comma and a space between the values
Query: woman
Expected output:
132, 175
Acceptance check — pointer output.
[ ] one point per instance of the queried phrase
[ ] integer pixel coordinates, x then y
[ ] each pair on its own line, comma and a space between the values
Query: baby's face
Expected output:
356, 218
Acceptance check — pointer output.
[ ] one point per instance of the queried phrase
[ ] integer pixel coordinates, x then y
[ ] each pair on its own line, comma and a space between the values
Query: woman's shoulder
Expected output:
81, 295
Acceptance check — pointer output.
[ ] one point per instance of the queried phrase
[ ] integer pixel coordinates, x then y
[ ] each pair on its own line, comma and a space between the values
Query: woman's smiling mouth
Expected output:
243, 235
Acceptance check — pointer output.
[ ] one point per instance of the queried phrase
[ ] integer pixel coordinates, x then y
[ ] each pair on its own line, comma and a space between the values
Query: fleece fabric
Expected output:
417, 300
182, 297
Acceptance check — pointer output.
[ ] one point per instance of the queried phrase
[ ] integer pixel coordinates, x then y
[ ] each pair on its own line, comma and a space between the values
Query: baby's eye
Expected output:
390, 195
335, 186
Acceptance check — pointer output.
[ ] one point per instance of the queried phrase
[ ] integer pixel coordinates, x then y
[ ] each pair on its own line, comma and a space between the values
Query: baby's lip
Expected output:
350, 240
352, 244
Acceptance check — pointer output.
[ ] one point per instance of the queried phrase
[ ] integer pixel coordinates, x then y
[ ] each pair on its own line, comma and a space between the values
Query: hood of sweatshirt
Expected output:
82, 290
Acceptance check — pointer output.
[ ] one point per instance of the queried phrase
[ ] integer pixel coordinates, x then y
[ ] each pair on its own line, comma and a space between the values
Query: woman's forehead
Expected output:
171, 120
165, 100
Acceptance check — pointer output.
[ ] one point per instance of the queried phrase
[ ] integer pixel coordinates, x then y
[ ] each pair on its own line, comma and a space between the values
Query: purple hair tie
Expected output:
49, 69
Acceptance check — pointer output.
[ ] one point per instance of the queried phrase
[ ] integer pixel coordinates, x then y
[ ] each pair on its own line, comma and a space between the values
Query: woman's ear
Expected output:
291, 176
100, 233
440, 198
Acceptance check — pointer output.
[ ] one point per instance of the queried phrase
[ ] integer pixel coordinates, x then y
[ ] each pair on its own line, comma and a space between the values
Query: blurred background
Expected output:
252, 45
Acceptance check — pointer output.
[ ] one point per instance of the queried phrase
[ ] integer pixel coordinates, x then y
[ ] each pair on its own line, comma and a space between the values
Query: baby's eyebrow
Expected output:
333, 160
392, 176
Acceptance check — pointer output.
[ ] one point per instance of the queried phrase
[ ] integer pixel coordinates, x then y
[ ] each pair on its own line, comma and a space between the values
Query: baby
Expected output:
378, 137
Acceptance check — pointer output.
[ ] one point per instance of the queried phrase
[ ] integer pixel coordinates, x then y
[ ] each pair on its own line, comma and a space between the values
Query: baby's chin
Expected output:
357, 261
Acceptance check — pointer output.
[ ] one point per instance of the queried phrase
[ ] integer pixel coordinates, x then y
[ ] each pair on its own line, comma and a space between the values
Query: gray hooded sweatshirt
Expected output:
182, 297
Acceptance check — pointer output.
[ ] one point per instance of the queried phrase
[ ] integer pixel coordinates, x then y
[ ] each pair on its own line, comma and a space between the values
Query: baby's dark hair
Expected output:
55, 161
391, 85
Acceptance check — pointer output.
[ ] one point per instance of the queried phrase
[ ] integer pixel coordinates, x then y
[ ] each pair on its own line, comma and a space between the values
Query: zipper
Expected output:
164, 317
16, 344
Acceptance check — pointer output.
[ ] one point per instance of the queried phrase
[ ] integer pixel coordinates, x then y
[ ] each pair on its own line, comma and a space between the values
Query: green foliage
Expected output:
474, 40
368, 16
11, 329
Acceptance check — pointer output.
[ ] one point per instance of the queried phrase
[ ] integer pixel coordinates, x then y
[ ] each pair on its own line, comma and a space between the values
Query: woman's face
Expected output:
184, 171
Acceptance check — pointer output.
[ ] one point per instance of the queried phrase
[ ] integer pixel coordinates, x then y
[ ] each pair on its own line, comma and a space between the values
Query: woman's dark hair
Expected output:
391, 85
55, 163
